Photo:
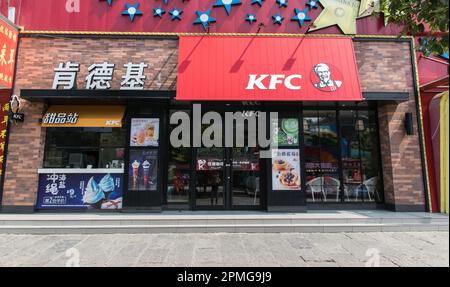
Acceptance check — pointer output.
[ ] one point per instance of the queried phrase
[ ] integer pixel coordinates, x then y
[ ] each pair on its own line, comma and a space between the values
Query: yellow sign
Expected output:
83, 116
338, 12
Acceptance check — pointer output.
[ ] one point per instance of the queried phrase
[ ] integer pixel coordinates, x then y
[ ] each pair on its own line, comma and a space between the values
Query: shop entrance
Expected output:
227, 178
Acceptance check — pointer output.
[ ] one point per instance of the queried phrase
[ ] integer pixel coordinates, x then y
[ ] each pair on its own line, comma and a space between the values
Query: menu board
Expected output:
144, 132
285, 132
143, 169
286, 169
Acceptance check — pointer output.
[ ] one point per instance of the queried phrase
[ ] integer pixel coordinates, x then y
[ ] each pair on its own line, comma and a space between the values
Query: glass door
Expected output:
210, 187
245, 178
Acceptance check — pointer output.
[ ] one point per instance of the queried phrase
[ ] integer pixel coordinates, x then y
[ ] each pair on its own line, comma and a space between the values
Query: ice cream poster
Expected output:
286, 169
80, 191
143, 169
144, 132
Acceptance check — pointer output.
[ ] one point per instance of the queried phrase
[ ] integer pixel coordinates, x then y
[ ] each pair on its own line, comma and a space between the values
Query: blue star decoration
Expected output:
227, 4
312, 4
250, 18
259, 2
301, 16
158, 12
204, 18
278, 19
282, 3
132, 10
109, 2
176, 13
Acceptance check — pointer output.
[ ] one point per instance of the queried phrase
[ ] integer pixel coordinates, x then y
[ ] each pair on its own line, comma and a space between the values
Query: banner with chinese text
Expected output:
8, 49
4, 109
80, 191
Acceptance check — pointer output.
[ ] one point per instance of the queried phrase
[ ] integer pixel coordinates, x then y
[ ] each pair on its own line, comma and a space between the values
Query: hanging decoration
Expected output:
132, 10
227, 4
158, 12
176, 13
251, 18
301, 16
278, 19
338, 12
204, 18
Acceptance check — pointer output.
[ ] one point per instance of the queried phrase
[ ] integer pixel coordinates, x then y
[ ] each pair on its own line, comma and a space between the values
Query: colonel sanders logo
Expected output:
322, 78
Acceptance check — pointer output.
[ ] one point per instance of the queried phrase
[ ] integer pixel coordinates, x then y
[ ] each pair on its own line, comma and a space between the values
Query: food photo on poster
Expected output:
286, 169
144, 132
143, 169
80, 191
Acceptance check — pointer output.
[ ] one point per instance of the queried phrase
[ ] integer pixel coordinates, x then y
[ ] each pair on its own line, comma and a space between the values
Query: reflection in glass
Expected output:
246, 177
321, 156
209, 187
179, 171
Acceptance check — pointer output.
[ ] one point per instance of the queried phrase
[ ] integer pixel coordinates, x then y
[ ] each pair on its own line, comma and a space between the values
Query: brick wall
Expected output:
386, 67
36, 60
383, 66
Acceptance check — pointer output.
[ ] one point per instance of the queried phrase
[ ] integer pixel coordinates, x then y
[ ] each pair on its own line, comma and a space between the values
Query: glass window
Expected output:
84, 147
321, 156
179, 172
359, 156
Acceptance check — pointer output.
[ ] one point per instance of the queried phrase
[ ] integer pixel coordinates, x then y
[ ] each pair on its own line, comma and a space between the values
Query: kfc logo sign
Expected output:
270, 82
322, 77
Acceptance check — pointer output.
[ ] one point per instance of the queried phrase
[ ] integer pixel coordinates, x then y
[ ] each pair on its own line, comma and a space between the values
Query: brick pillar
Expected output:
400, 157
25, 156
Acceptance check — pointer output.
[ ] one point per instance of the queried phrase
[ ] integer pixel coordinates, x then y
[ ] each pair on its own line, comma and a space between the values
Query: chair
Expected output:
324, 185
370, 186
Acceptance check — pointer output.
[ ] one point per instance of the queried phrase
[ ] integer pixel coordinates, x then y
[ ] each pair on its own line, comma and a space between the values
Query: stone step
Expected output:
199, 222
217, 228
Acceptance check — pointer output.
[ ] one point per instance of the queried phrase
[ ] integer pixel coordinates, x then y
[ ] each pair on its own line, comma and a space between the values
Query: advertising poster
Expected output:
285, 132
286, 169
143, 169
80, 191
144, 132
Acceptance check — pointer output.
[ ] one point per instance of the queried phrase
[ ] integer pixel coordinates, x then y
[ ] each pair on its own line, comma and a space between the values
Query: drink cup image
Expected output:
135, 166
150, 131
141, 137
146, 168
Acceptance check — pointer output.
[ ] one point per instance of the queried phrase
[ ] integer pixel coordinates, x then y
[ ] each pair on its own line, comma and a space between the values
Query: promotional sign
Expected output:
286, 132
143, 169
204, 164
267, 69
80, 191
8, 49
144, 132
286, 169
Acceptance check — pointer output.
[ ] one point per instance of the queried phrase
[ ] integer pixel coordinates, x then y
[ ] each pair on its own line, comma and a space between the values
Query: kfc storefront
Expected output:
275, 123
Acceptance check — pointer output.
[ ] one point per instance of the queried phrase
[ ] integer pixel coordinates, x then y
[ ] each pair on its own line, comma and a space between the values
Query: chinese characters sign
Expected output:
99, 76
4, 109
8, 49
80, 191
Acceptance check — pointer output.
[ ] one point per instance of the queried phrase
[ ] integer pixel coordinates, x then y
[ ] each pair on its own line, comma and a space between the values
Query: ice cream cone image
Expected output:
146, 168
135, 166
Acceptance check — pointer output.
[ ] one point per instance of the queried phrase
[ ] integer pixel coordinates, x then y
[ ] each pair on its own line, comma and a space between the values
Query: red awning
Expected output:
267, 69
